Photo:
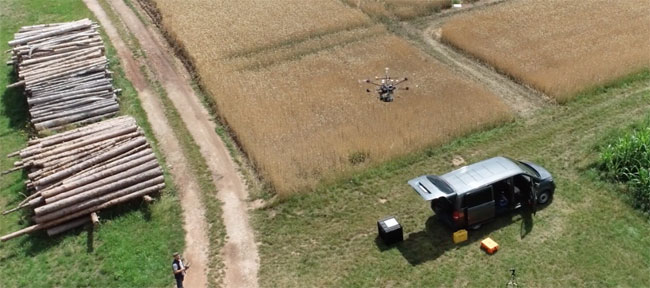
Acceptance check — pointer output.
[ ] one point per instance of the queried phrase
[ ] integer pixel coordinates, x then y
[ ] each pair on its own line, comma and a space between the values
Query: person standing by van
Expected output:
179, 270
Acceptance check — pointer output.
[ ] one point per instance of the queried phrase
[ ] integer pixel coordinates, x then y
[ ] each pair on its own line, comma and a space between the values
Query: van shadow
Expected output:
436, 238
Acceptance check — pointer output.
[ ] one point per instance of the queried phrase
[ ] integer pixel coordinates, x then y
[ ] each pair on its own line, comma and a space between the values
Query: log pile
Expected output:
76, 173
64, 71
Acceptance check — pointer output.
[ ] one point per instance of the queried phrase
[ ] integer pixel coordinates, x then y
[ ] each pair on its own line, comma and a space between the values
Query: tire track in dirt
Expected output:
522, 99
240, 251
196, 239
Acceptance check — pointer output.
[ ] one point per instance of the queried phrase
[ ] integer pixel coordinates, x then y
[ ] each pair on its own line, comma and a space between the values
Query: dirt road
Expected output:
194, 222
240, 251
195, 226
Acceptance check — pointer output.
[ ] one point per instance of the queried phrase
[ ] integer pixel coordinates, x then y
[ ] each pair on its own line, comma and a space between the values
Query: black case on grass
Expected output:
390, 231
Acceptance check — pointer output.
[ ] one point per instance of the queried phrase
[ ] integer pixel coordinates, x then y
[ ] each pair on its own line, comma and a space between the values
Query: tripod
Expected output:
513, 279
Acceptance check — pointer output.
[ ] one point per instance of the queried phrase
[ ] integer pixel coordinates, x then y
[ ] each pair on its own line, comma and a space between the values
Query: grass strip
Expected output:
191, 151
133, 245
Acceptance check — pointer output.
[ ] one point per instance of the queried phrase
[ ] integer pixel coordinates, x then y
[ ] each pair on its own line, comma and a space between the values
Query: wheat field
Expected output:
295, 102
225, 28
558, 47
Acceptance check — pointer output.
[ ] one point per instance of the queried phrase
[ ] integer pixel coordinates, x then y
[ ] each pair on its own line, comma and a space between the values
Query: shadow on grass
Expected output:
436, 238
526, 223
14, 108
90, 238
132, 206
15, 190
39, 241
15, 104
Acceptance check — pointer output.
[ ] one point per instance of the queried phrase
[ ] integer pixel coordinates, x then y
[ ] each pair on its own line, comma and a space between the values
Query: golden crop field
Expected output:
559, 47
296, 104
235, 28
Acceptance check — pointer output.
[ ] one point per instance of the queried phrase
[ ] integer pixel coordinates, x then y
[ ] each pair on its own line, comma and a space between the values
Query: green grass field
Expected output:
132, 247
589, 236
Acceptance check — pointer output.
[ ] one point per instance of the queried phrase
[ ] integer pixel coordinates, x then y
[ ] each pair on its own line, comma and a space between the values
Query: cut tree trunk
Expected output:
67, 226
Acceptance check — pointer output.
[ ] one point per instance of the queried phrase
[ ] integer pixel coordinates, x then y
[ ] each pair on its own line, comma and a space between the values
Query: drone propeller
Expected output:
397, 82
370, 82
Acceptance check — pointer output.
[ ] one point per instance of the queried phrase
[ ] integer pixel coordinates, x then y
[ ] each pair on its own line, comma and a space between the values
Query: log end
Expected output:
17, 84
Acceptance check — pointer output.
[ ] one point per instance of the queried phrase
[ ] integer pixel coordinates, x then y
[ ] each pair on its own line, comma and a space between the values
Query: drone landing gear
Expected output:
386, 97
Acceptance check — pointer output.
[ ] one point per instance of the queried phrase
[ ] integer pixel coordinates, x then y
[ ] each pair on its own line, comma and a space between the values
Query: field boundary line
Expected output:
297, 40
261, 59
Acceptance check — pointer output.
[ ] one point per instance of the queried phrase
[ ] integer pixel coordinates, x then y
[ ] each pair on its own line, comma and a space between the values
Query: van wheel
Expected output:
543, 197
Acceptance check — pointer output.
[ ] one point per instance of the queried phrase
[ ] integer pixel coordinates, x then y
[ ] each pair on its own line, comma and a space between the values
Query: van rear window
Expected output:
441, 184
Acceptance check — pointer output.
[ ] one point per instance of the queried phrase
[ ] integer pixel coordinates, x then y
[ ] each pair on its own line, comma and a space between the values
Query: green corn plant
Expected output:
623, 159
628, 160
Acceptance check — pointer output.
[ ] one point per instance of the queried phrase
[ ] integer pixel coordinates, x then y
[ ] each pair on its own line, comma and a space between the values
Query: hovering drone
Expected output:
386, 87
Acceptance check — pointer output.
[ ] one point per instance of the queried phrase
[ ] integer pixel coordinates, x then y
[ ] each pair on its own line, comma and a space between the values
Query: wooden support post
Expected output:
94, 218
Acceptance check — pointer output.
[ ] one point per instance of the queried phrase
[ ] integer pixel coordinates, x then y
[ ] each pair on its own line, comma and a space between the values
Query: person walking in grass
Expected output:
179, 269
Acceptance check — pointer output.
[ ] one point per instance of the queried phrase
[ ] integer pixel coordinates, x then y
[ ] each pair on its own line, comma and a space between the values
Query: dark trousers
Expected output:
179, 281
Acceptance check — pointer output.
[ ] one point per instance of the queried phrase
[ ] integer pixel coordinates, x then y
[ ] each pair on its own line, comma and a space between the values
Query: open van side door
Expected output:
533, 196
480, 205
527, 190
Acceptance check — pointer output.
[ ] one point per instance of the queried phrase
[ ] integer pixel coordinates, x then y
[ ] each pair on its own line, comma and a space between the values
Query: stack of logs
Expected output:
82, 171
64, 71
